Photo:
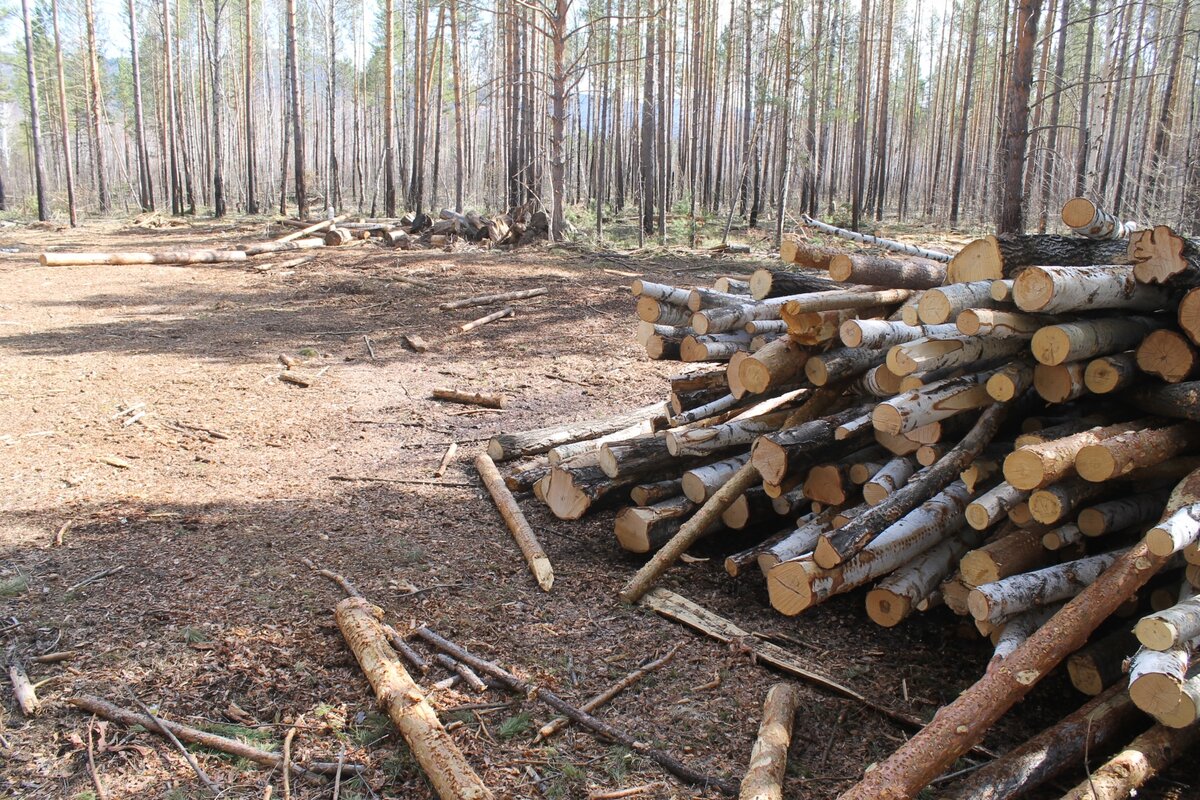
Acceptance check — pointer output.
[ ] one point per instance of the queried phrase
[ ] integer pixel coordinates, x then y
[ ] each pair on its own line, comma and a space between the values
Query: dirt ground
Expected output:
179, 577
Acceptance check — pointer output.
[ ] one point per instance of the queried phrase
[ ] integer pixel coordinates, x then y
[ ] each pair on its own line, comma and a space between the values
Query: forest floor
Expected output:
198, 513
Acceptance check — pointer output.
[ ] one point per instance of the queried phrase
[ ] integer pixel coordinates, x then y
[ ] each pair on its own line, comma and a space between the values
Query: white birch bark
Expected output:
992, 602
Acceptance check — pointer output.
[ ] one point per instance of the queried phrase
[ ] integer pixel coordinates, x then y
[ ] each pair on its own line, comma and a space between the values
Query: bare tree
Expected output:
95, 99
68, 167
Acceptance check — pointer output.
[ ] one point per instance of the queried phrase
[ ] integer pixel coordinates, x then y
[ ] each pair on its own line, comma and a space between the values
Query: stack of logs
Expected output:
990, 432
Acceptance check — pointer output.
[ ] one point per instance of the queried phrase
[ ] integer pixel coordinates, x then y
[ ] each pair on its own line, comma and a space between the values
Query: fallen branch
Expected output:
488, 299
102, 708
473, 324
768, 759
469, 398
582, 718
418, 481
23, 691
555, 725
157, 727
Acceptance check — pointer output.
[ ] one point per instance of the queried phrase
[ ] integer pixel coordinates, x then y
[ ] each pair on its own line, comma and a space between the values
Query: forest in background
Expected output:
966, 113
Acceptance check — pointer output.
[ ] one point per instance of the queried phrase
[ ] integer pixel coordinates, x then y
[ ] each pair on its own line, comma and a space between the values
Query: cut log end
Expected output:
886, 608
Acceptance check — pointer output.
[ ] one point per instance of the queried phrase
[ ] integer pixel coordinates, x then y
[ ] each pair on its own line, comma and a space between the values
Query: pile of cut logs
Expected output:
1008, 432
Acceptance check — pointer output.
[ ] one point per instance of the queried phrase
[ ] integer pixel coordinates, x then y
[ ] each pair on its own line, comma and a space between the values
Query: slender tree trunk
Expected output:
297, 112
1050, 157
960, 147
35, 124
389, 81
859, 155
251, 190
145, 178
558, 118
68, 167
1085, 93
218, 163
96, 98
1166, 117
459, 149
333, 194
648, 130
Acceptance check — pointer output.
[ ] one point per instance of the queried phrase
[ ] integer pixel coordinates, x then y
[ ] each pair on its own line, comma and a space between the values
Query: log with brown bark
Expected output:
793, 250
433, 748
535, 556
1168, 355
774, 366
644, 529
1054, 751
1142, 759
768, 759
1117, 515
1109, 374
769, 283
776, 455
1011, 552
1060, 383
1119, 455
964, 721
1035, 466
917, 273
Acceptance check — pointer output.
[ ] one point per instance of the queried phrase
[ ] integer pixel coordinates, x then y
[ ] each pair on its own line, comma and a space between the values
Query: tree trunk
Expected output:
95, 102
297, 113
35, 123
1011, 211
218, 164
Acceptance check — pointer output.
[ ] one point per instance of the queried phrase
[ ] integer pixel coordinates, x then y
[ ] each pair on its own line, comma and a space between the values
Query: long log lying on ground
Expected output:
185, 733
262, 248
965, 720
124, 259
515, 684
505, 446
488, 299
539, 564
433, 748
1146, 756
768, 759
1052, 752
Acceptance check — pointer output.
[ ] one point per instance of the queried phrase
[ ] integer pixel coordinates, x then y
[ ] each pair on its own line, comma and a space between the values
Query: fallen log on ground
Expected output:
768, 760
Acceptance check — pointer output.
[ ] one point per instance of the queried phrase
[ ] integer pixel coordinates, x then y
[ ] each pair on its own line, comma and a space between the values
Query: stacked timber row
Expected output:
1010, 433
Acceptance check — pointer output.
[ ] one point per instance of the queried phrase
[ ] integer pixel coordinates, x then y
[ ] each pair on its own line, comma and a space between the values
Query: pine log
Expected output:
1109, 374
506, 446
410, 712
262, 248
895, 597
990, 507
703, 379
647, 494
926, 355
1160, 254
484, 320
888, 480
997, 257
791, 591
1121, 454
645, 529
1180, 401
961, 723
1172, 627
1087, 219
1099, 666
768, 759
1018, 593
637, 457
1037, 466
126, 259
841, 363
917, 273
1011, 552
539, 564
766, 283
877, 333
1141, 760
774, 366
943, 305
932, 403
1055, 290
1054, 504
1075, 341
700, 483
1168, 355
469, 398
753, 507
1001, 324
866, 238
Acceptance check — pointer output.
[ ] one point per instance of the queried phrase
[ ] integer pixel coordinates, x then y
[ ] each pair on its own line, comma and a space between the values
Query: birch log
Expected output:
932, 403
1171, 627
1156, 677
1056, 290
866, 238
917, 273
895, 597
998, 257
1076, 341
1017, 593
1159, 254
1060, 383
1002, 324
875, 334
773, 366
926, 355
894, 474
505, 446
991, 506
434, 749
125, 259
1117, 515
1087, 219
941, 306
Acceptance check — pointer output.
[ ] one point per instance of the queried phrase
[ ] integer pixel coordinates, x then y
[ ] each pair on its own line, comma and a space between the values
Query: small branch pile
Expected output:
1008, 432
